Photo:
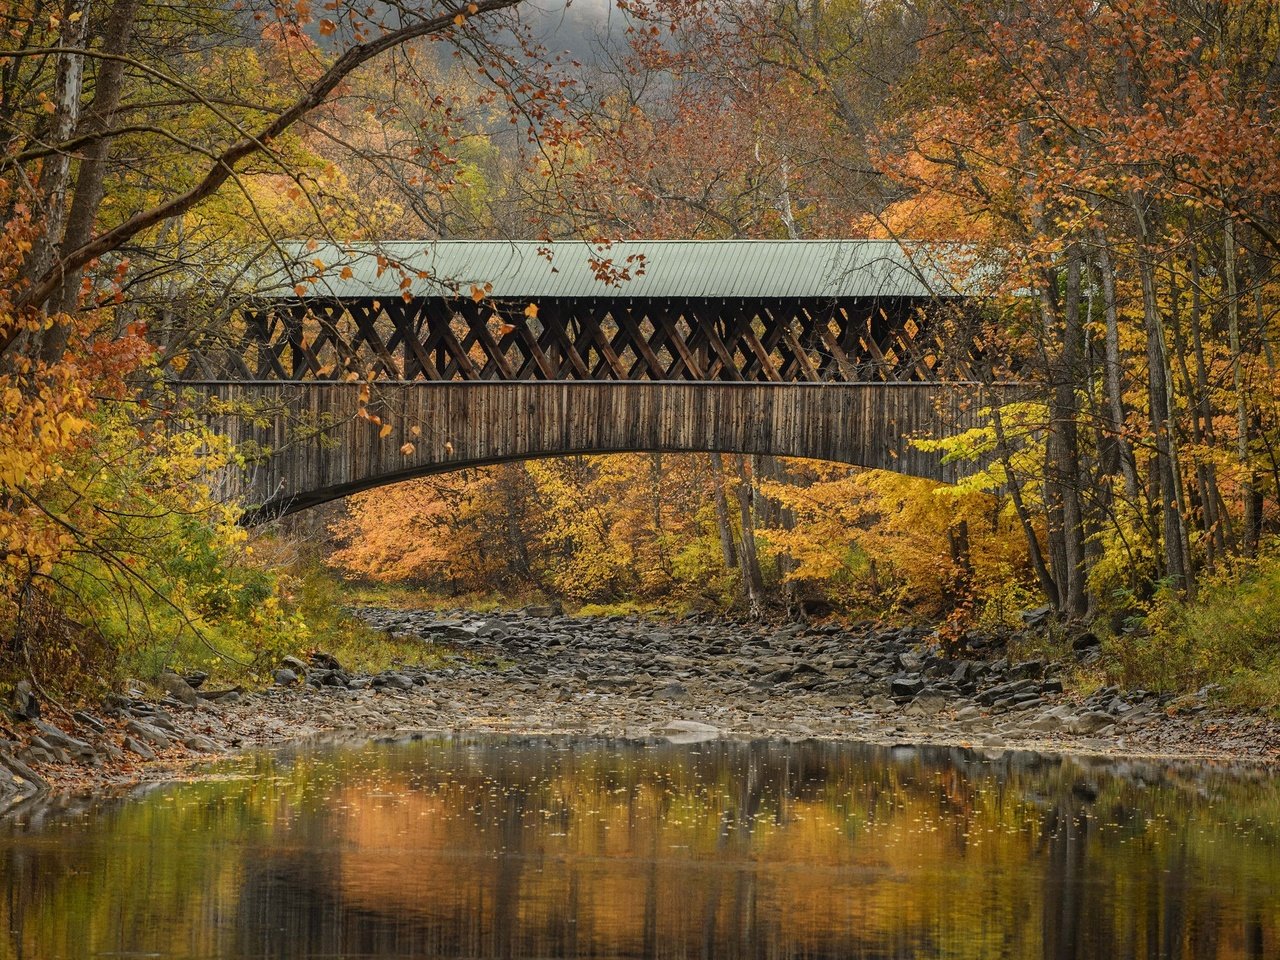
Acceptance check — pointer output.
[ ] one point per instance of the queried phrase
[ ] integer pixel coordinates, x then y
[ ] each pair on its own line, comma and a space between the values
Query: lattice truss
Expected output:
615, 339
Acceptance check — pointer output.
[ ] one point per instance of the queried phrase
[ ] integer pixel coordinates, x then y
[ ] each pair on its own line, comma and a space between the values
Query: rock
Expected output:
926, 705
906, 686
1027, 669
57, 738
14, 765
178, 688
139, 748
672, 691
1090, 722
25, 704
1046, 723
1085, 641
393, 681
1036, 616
200, 744
162, 721
90, 721
1005, 690
231, 694
325, 661
968, 713
293, 663
286, 677
195, 679
147, 733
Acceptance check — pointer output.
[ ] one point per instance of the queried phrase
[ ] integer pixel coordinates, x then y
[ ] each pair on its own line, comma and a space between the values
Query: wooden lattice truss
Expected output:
599, 339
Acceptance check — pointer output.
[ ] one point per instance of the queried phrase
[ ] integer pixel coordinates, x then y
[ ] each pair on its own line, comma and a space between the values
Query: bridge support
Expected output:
311, 442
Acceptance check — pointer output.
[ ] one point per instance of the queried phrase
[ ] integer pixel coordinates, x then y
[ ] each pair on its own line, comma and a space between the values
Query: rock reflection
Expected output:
520, 847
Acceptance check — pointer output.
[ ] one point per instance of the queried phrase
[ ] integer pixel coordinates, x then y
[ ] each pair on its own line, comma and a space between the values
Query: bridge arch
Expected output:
309, 443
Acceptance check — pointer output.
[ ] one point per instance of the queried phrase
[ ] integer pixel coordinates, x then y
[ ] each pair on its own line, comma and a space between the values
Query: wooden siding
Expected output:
313, 446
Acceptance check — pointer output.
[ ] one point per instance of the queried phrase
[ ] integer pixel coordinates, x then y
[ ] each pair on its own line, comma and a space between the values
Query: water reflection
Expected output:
510, 847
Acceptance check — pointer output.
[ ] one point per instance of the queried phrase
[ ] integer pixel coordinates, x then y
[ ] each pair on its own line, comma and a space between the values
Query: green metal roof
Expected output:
674, 269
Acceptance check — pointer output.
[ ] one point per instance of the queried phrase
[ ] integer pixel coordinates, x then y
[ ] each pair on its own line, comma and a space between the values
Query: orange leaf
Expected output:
507, 328
300, 290
477, 293
407, 449
385, 431
415, 431
347, 273
459, 20
327, 27
531, 311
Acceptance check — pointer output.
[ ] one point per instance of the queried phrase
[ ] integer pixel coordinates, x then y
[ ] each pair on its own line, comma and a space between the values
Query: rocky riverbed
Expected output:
626, 676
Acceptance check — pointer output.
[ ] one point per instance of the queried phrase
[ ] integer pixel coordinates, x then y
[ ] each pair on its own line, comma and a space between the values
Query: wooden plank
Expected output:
477, 317
668, 323
704, 325
652, 368
554, 327
464, 423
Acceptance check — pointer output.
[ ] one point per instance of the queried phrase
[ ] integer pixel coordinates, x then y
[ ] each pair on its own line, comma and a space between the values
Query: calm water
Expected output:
523, 847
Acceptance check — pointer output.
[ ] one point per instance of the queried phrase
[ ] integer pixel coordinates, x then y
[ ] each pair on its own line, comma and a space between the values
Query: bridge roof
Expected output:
659, 269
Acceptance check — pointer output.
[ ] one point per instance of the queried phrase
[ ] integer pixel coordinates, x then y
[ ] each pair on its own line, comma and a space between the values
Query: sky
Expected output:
573, 27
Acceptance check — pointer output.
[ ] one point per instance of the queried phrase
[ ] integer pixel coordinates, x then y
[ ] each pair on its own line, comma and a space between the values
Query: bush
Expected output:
1229, 636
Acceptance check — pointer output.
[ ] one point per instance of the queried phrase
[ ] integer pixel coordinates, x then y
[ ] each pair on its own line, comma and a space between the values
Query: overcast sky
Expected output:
575, 27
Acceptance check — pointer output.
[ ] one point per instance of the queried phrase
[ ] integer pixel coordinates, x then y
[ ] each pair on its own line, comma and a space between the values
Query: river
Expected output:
507, 846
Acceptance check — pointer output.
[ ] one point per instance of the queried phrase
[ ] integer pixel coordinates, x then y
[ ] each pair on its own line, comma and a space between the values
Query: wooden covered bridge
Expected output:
357, 367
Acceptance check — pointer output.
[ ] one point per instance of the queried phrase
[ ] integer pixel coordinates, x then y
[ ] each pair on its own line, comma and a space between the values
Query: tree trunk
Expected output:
1167, 479
1077, 604
55, 171
723, 526
1115, 372
91, 177
1250, 526
752, 581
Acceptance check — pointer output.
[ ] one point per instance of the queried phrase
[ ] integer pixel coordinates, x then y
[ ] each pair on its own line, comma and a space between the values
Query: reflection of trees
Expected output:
543, 847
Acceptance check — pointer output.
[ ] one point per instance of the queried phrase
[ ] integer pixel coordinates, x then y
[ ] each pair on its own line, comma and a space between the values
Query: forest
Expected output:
1110, 168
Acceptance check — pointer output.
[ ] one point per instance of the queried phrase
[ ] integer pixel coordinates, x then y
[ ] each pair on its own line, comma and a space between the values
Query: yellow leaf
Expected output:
459, 20
414, 431
531, 311
385, 431
407, 449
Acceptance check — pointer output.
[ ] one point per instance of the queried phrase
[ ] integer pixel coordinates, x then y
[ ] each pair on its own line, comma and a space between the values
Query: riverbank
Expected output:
693, 679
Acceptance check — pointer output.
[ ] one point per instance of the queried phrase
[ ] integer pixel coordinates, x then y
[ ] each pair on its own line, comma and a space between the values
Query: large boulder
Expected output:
178, 688
25, 704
